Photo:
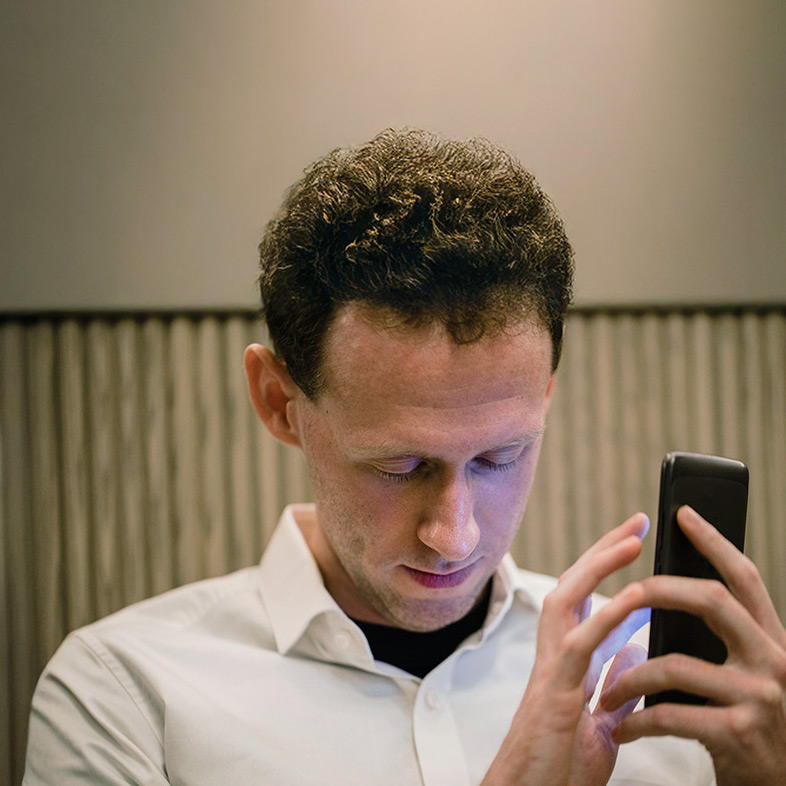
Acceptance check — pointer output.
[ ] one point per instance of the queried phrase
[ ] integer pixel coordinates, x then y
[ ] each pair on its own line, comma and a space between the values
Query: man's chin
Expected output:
427, 615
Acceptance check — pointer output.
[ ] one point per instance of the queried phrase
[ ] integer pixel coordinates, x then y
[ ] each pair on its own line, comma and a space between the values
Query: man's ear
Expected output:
272, 392
549, 391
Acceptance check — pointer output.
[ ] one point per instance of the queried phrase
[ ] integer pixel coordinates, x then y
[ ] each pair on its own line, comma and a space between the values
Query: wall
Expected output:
150, 141
145, 145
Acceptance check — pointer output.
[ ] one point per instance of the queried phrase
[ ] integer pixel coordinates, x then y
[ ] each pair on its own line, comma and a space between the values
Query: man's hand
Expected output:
554, 739
744, 724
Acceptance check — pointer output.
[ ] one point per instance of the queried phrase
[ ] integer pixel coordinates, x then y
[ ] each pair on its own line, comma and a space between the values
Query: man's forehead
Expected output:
354, 321
369, 345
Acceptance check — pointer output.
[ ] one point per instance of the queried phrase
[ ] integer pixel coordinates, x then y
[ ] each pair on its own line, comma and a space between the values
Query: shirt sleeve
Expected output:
90, 724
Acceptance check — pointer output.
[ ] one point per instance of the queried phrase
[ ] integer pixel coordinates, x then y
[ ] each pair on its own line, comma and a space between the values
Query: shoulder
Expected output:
227, 607
122, 654
103, 697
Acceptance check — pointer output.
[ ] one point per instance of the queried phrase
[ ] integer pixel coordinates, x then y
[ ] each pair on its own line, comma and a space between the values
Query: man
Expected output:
415, 292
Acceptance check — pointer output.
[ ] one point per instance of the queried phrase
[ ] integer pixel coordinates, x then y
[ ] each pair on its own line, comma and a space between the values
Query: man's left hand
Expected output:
744, 723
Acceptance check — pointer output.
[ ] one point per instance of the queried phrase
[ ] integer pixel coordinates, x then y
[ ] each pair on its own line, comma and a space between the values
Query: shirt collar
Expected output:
297, 601
290, 582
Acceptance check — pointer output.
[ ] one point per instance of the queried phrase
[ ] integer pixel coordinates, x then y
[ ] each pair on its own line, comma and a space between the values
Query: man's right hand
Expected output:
554, 739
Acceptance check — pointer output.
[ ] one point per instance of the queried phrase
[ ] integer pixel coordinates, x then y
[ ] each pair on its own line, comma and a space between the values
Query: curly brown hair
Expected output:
430, 229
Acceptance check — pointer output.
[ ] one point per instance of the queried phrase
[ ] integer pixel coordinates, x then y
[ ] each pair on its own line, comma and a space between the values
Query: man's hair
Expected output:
430, 230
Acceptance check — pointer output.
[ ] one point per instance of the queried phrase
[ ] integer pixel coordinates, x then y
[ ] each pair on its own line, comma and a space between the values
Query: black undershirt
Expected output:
419, 653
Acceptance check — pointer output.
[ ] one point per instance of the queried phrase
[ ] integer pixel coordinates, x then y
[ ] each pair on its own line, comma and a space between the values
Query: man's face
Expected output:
422, 455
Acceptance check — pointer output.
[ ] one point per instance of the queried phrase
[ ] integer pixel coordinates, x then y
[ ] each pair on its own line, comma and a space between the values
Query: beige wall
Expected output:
149, 141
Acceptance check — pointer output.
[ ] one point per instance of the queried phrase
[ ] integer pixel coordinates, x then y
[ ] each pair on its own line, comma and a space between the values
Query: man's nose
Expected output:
448, 525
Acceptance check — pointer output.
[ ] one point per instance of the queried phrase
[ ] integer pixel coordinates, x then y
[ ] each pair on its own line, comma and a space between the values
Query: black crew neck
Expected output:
419, 653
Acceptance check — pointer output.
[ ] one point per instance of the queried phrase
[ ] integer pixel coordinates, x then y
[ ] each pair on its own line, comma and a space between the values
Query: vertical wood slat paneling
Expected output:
634, 386
132, 460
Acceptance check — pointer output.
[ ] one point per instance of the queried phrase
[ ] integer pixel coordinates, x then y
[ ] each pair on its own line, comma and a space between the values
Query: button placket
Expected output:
439, 749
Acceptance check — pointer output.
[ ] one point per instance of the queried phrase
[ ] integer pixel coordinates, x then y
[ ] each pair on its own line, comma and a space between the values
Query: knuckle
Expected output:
574, 645
675, 665
747, 571
771, 696
717, 593
661, 717
742, 724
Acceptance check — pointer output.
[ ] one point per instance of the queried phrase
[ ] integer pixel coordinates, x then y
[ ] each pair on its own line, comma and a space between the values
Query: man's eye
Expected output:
396, 477
399, 471
496, 466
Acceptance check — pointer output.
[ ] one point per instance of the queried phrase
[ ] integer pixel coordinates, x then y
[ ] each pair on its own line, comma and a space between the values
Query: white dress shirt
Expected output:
258, 677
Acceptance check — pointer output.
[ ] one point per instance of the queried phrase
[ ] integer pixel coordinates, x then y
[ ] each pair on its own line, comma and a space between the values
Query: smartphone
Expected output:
717, 488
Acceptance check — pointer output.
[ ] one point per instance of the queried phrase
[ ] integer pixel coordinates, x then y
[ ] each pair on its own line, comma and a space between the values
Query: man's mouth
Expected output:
441, 580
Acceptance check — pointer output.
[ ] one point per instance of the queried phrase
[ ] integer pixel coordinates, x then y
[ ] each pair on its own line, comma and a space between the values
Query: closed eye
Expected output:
396, 477
496, 466
502, 459
408, 467
399, 469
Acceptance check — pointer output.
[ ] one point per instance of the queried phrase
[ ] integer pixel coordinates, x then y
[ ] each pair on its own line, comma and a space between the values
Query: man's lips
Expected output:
440, 580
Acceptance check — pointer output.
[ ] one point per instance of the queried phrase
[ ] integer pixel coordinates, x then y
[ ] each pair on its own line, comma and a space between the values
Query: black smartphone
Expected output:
717, 488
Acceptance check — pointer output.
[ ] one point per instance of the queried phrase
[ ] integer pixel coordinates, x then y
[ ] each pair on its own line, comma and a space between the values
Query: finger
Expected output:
613, 551
581, 641
746, 745
638, 524
614, 643
676, 671
566, 605
629, 656
739, 572
709, 725
713, 602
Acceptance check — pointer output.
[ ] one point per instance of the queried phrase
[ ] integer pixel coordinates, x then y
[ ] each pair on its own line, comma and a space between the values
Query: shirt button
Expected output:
342, 640
432, 700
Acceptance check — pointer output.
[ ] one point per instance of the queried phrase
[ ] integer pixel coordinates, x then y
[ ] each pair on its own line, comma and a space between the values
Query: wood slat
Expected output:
133, 538
75, 466
158, 450
187, 440
19, 648
213, 469
45, 489
103, 434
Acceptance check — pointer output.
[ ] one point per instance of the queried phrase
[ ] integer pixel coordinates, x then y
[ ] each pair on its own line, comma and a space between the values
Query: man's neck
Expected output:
419, 653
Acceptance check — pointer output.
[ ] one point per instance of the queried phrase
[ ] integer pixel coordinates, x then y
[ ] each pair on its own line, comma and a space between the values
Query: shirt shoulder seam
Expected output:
110, 663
